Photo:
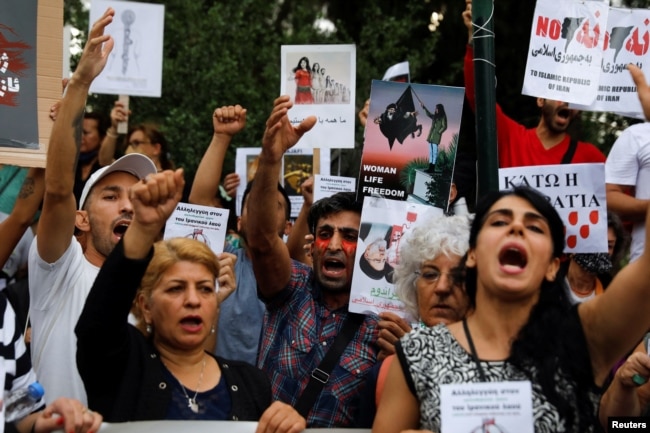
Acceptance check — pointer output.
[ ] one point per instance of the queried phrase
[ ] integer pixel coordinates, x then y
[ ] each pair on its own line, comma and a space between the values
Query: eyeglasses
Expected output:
136, 143
432, 276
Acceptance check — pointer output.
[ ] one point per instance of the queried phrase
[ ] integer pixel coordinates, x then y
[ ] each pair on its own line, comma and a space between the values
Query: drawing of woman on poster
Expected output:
438, 126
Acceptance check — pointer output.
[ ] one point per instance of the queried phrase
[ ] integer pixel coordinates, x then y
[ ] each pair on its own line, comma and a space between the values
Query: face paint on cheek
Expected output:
321, 244
350, 248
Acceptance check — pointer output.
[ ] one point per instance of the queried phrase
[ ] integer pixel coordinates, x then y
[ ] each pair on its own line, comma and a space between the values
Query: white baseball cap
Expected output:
136, 164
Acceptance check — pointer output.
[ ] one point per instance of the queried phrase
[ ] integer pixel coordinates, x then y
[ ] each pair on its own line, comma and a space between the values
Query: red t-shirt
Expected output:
519, 146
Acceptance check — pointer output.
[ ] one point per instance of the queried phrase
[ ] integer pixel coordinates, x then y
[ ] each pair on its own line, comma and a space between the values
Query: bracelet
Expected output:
110, 132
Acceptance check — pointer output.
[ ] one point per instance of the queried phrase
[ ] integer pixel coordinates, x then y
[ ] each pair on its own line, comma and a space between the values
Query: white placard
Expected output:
566, 49
134, 66
332, 79
627, 41
384, 223
326, 186
202, 426
577, 191
204, 223
486, 406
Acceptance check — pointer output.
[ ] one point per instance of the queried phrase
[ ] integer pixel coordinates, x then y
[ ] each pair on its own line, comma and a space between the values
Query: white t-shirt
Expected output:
573, 297
628, 163
58, 293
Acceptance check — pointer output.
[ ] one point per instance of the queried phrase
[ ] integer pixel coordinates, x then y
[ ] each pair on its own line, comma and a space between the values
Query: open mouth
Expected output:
513, 258
564, 113
333, 265
120, 229
191, 321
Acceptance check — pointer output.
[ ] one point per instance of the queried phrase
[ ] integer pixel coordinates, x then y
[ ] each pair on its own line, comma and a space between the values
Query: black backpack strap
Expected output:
568, 156
321, 374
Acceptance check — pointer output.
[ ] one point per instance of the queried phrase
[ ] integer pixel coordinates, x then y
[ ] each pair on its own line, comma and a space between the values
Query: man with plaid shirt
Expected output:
306, 307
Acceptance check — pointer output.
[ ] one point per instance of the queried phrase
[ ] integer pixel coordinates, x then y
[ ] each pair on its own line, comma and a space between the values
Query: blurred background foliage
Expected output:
228, 52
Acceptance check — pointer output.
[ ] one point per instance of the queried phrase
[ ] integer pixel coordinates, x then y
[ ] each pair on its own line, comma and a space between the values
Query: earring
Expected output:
213, 329
149, 329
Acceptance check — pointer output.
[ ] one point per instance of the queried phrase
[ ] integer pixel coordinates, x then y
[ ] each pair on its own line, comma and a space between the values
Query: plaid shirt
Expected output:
297, 332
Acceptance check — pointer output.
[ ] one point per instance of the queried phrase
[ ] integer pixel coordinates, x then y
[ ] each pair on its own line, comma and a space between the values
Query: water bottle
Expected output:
21, 402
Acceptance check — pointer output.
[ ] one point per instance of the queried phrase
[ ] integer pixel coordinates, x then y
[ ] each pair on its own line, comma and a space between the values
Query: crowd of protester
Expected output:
119, 325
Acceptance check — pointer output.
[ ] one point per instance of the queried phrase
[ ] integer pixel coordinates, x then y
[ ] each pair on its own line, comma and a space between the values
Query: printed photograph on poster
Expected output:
384, 223
577, 191
628, 42
566, 50
296, 169
297, 166
410, 142
134, 66
321, 80
206, 224
18, 78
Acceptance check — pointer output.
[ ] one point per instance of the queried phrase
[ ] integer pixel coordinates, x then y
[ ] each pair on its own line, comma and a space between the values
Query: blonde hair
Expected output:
166, 254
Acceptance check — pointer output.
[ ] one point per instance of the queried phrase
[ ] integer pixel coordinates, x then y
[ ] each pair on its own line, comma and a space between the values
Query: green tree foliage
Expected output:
228, 52
220, 53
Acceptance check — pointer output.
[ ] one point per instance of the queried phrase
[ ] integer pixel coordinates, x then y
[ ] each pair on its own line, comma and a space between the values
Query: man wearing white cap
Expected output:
60, 271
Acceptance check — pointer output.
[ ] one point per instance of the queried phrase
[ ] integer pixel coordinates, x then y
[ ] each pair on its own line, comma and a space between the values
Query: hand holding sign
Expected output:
642, 88
280, 135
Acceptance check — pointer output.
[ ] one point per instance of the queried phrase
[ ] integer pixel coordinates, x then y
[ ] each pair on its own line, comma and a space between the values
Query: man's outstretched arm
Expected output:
270, 256
57, 221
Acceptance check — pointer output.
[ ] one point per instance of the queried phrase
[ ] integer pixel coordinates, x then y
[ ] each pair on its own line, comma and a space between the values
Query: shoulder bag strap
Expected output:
321, 374
568, 156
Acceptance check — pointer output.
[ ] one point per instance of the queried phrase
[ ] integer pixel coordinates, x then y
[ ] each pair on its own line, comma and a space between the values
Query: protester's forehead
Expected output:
348, 220
115, 179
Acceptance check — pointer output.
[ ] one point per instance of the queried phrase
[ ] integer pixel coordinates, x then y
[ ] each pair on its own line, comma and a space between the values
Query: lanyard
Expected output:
481, 373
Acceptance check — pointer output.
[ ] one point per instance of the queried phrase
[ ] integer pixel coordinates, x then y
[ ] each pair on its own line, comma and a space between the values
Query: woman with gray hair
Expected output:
429, 276
429, 280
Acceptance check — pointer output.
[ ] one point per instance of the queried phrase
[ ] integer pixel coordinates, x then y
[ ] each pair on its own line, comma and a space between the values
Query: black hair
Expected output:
339, 202
622, 240
103, 122
541, 348
287, 202
441, 112
307, 67
155, 136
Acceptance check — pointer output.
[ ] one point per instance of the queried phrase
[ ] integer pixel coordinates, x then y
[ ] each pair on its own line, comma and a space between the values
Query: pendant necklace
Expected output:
191, 401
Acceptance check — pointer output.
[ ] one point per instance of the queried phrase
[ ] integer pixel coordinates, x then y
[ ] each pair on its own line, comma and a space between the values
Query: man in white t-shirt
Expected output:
627, 177
61, 273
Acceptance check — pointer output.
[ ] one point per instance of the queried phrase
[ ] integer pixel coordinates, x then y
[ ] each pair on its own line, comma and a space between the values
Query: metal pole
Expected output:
484, 82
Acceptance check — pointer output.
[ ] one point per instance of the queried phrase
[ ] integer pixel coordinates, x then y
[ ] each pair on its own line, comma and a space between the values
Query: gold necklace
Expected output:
191, 401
